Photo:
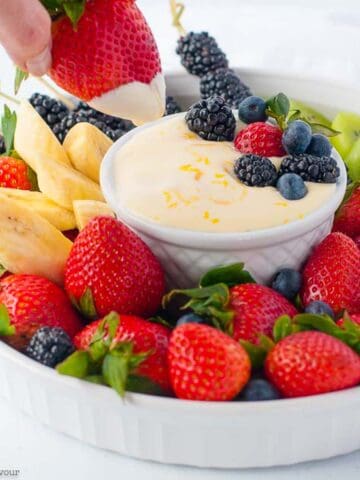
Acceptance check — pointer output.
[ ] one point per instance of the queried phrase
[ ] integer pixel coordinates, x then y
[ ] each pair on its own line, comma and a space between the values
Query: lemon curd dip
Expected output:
169, 175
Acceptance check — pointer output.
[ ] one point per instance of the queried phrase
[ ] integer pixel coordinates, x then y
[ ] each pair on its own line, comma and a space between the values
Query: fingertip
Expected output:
40, 64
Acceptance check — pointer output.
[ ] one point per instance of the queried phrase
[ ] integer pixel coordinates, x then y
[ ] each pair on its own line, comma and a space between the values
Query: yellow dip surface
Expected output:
170, 176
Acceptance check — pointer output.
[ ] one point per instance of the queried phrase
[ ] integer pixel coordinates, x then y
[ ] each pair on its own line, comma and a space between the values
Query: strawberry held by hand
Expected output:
109, 59
29, 302
110, 268
123, 346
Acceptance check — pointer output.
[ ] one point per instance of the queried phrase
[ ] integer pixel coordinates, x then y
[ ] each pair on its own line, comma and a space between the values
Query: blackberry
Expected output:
255, 171
200, 53
49, 346
61, 129
227, 84
311, 168
212, 119
2, 145
171, 106
50, 109
114, 123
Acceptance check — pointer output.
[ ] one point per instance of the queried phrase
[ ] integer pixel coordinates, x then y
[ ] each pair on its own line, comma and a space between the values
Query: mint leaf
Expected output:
230, 275
8, 127
76, 365
20, 77
279, 105
6, 329
324, 130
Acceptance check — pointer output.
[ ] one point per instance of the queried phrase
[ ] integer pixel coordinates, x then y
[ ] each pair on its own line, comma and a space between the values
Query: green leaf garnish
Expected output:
6, 329
8, 127
230, 275
324, 130
279, 105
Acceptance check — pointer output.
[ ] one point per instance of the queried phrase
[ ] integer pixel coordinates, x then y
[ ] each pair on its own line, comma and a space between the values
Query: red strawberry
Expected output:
206, 364
347, 219
261, 139
256, 309
110, 60
14, 173
112, 263
310, 363
331, 274
33, 302
357, 241
145, 337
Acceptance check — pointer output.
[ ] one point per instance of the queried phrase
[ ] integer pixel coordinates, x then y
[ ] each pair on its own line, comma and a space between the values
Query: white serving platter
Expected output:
204, 434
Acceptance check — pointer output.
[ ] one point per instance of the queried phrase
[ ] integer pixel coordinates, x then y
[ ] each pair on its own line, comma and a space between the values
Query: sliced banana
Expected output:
29, 243
34, 139
86, 210
63, 184
58, 216
86, 146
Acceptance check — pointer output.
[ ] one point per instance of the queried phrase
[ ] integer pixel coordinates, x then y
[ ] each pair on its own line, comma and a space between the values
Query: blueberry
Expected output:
287, 282
252, 109
291, 186
320, 308
190, 318
258, 390
320, 146
297, 137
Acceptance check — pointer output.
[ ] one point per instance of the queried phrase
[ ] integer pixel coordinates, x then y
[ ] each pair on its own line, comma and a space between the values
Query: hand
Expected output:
25, 32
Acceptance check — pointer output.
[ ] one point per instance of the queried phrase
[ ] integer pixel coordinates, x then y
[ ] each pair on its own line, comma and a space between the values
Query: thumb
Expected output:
25, 32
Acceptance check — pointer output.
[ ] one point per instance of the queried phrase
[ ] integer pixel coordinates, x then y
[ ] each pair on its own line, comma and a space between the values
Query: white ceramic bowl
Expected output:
186, 255
226, 435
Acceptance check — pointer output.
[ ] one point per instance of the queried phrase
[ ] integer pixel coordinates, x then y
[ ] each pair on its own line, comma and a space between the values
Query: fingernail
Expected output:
40, 64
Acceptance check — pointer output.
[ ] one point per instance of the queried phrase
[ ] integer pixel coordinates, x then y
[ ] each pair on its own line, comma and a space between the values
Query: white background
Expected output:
321, 37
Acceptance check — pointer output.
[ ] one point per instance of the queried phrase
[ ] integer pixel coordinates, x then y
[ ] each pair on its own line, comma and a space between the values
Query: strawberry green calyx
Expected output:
74, 9
278, 108
6, 329
107, 361
85, 305
212, 298
231, 275
208, 302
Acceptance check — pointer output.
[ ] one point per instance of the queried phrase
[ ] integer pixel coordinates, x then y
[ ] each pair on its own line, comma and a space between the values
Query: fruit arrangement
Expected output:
82, 293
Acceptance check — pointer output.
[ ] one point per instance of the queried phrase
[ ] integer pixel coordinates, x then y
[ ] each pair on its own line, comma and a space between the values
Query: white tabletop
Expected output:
319, 36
